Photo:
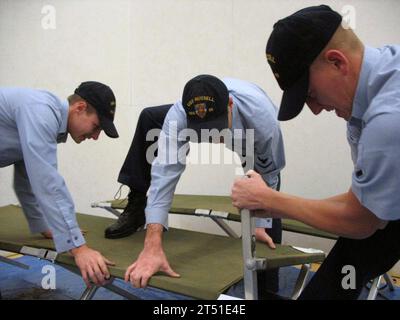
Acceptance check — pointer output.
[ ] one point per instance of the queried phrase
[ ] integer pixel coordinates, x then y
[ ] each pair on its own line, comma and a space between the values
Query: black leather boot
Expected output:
131, 219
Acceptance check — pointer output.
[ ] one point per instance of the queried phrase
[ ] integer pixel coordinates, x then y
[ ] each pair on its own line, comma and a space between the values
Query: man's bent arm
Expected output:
342, 215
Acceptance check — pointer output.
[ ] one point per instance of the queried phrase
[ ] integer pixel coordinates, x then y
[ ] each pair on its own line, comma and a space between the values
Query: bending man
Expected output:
229, 109
32, 123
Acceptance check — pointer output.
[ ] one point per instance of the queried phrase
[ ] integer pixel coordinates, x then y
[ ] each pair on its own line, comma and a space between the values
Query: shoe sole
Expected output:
122, 234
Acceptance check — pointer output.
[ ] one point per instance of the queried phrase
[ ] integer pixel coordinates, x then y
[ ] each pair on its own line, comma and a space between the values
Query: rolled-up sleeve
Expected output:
38, 137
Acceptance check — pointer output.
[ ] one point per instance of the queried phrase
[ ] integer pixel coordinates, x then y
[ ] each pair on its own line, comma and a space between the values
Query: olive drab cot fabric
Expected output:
208, 264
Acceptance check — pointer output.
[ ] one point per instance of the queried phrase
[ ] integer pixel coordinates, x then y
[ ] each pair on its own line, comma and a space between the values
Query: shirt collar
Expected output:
360, 104
62, 133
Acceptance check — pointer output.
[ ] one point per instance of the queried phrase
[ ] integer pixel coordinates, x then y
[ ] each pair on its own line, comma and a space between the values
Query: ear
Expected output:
338, 60
230, 103
79, 106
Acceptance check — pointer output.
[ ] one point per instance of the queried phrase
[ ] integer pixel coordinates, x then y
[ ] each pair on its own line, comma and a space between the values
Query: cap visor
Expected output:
220, 123
108, 128
293, 99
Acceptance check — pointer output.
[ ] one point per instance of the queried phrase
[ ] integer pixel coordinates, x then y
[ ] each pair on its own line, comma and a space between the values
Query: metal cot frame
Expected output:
250, 261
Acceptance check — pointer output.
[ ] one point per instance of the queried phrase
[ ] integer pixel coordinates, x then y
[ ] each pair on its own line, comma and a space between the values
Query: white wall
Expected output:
146, 51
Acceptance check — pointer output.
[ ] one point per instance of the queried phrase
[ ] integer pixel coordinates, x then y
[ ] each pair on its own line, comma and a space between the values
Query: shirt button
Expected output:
68, 241
76, 238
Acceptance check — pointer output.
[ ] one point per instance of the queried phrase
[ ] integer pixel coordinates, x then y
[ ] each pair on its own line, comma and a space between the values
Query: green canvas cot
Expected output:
208, 264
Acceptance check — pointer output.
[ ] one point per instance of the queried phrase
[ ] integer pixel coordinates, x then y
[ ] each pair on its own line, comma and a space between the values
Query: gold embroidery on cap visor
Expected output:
112, 105
271, 58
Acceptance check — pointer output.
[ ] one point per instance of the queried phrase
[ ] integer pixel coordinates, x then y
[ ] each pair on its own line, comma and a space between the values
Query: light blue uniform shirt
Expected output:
32, 122
374, 133
252, 109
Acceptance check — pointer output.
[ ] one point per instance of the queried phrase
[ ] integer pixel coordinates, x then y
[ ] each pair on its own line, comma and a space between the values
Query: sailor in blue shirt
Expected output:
326, 66
253, 110
240, 114
32, 123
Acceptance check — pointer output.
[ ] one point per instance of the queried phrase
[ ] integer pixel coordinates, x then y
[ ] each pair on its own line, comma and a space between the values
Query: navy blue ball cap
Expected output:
205, 99
292, 47
102, 99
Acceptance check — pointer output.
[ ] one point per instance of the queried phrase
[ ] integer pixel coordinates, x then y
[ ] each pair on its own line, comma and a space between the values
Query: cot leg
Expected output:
248, 248
389, 281
301, 281
374, 288
115, 212
224, 226
113, 288
89, 293
106, 206
110, 286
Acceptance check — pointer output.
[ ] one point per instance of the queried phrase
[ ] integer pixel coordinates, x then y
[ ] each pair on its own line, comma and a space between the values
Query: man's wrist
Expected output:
269, 198
153, 236
77, 250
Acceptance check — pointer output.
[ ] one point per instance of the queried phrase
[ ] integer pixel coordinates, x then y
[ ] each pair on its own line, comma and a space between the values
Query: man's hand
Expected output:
47, 234
149, 262
250, 193
92, 265
152, 259
262, 236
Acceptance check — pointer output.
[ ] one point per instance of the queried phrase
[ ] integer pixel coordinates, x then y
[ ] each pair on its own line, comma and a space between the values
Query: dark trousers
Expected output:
136, 174
268, 281
136, 170
370, 257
